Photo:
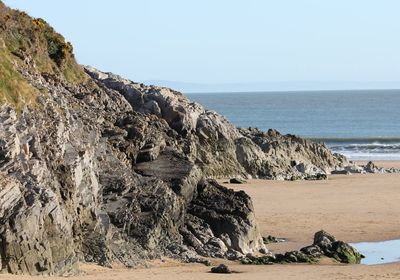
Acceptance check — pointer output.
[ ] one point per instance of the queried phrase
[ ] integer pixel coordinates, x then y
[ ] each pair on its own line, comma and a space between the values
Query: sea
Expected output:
362, 124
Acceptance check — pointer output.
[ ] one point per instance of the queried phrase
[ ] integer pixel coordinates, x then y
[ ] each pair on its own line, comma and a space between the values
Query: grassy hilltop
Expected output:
29, 44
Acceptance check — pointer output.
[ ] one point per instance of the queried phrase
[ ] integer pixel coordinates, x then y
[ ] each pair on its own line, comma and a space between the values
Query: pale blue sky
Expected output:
228, 41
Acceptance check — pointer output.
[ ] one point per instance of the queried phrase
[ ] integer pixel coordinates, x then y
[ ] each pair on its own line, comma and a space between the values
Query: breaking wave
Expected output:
365, 148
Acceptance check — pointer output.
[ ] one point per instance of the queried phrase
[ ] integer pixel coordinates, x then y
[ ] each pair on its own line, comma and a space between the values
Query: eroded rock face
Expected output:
216, 214
85, 177
102, 169
73, 189
216, 146
88, 174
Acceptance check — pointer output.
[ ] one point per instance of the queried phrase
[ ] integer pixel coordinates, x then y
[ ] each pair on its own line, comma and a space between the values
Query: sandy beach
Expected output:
353, 208
139, 147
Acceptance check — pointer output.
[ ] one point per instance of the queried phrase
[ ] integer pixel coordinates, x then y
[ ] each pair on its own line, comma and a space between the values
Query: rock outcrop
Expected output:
217, 147
98, 168
324, 245
370, 167
87, 175
215, 215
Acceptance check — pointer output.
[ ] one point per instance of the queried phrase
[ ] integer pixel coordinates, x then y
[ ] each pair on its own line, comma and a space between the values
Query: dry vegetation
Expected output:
13, 88
32, 44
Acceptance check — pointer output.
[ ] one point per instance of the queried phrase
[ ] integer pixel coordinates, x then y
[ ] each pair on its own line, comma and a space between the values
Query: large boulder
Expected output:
336, 249
228, 217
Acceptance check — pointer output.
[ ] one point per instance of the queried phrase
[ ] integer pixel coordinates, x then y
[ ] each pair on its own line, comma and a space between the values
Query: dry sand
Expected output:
274, 272
353, 208
361, 207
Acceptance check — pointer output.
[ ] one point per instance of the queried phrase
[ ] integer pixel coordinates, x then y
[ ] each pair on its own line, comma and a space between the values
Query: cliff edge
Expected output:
97, 168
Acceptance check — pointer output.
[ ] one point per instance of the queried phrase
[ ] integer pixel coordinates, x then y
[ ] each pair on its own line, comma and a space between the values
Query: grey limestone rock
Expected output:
102, 169
215, 145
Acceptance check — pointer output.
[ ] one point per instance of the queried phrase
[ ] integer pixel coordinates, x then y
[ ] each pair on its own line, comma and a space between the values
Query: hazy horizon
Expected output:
214, 45
290, 86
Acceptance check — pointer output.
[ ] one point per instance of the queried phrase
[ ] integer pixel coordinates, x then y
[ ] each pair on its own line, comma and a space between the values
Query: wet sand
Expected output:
354, 208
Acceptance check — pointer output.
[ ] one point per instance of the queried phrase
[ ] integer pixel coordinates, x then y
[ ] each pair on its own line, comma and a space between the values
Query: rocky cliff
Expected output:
98, 168
216, 146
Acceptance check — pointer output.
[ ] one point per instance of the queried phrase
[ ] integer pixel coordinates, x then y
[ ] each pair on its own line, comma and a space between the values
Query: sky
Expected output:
262, 42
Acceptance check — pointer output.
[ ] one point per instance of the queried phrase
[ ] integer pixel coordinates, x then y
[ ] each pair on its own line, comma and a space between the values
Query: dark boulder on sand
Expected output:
223, 269
237, 180
338, 250
324, 245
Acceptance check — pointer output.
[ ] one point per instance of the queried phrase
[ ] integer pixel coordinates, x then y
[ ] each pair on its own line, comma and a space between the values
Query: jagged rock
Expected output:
272, 239
150, 151
340, 172
289, 156
345, 253
98, 168
316, 177
223, 213
237, 180
294, 257
288, 257
354, 169
371, 168
221, 269
312, 251
333, 248
323, 239
219, 148
263, 260
324, 244
181, 174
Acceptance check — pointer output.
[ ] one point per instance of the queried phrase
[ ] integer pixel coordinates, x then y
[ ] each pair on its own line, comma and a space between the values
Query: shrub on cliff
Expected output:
33, 44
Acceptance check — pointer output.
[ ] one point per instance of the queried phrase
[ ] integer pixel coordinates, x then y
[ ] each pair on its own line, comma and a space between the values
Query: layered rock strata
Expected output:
97, 168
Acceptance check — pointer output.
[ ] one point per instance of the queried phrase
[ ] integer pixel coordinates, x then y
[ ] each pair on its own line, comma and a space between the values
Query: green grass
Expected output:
37, 39
14, 89
24, 37
73, 73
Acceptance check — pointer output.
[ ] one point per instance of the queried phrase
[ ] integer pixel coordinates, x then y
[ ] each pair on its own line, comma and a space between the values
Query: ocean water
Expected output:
363, 125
